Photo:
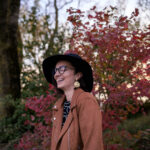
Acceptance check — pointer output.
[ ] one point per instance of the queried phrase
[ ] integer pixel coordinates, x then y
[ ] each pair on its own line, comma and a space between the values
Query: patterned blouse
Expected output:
66, 111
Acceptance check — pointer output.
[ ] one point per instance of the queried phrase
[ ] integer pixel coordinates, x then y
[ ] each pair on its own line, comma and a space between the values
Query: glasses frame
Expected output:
61, 69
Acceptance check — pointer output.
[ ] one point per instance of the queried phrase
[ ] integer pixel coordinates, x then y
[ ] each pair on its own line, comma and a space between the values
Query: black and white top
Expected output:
66, 111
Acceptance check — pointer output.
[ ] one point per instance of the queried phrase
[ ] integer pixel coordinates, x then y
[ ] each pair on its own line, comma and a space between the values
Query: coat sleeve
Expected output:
90, 122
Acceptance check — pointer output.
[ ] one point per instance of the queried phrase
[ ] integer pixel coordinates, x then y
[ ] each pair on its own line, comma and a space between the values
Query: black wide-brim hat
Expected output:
81, 65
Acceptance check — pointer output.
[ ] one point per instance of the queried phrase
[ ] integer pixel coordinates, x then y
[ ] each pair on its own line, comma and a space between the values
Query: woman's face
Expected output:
65, 75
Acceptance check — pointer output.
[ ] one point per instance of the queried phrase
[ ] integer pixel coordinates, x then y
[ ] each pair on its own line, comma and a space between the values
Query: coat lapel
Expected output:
66, 125
70, 116
58, 114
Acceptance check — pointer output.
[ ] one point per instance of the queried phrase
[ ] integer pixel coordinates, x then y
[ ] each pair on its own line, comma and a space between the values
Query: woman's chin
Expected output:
60, 87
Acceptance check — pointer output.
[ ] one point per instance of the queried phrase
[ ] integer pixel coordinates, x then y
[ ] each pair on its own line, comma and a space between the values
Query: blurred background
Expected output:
31, 30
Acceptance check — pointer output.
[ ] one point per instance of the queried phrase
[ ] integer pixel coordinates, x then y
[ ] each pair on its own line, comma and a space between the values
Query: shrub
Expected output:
143, 142
40, 120
119, 57
140, 123
12, 124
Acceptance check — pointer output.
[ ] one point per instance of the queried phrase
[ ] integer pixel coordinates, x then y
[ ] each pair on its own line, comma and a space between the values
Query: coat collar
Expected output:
59, 103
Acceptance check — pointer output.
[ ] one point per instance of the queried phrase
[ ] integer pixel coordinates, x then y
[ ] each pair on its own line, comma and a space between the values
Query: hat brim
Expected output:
50, 63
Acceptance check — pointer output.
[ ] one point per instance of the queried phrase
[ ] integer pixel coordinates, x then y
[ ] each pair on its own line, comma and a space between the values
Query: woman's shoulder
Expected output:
81, 93
86, 97
84, 94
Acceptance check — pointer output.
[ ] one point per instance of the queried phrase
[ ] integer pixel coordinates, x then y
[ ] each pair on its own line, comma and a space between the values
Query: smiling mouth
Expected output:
60, 80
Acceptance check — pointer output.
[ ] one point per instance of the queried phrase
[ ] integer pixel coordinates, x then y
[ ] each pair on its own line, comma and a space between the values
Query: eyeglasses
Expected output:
61, 69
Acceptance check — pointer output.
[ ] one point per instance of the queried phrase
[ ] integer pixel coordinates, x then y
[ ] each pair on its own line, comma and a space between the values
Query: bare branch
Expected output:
66, 3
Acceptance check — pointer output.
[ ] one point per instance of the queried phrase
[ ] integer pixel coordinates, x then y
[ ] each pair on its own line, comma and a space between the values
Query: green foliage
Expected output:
131, 134
40, 120
12, 125
140, 123
143, 142
40, 39
117, 140
6, 106
146, 106
33, 84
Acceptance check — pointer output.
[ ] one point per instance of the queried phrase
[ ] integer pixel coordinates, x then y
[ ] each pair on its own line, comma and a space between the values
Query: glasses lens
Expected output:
61, 69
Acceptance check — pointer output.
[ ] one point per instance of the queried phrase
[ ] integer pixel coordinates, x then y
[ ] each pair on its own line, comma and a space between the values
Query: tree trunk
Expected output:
9, 65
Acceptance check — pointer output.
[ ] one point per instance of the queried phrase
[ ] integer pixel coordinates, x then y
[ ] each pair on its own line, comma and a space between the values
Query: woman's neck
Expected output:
69, 94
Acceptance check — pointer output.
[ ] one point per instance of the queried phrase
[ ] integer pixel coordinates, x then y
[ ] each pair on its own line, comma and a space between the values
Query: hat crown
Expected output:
73, 55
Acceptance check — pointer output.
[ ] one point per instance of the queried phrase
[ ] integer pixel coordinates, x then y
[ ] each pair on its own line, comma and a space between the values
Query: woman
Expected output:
77, 120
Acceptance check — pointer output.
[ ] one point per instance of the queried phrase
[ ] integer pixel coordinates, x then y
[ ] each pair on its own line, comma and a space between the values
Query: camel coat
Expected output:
83, 127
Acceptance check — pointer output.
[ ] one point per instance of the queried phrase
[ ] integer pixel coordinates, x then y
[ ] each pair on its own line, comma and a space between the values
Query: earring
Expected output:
76, 84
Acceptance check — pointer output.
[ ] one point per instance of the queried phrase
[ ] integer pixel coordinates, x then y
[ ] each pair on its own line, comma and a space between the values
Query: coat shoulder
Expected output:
87, 99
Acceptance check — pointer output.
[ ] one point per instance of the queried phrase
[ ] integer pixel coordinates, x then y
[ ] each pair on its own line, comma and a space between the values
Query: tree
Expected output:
9, 65
42, 35
117, 55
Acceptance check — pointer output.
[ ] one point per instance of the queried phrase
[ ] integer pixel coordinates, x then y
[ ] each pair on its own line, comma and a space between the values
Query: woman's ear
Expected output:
79, 75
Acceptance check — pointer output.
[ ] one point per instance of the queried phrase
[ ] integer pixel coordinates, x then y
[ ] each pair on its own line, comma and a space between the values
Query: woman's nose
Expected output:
56, 74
